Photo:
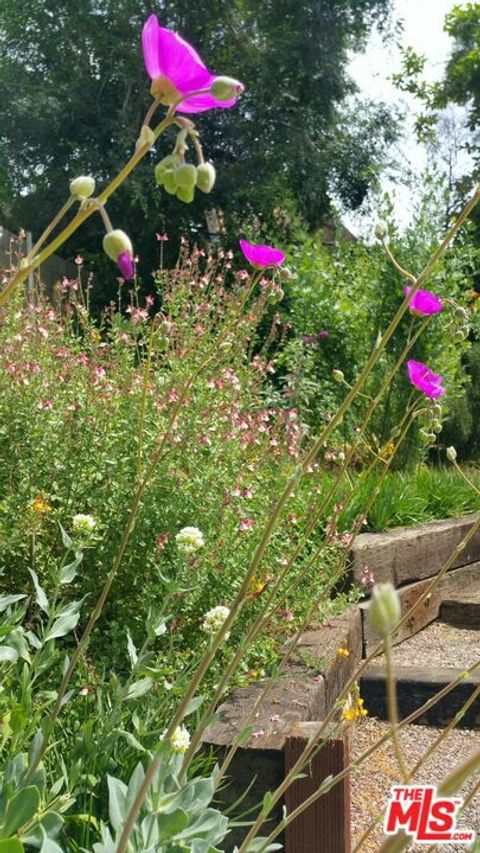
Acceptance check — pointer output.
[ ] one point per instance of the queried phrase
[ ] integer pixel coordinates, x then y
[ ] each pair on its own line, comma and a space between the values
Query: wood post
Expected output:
324, 827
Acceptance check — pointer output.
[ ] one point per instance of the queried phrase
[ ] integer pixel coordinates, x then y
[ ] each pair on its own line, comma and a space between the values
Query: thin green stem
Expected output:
392, 707
48, 230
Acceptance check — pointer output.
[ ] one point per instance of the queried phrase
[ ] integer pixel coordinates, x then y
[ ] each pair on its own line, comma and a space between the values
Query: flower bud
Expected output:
461, 314
169, 183
437, 427
380, 231
338, 375
226, 88
185, 176
185, 194
206, 176
460, 335
115, 243
437, 410
82, 187
451, 454
146, 137
384, 609
168, 162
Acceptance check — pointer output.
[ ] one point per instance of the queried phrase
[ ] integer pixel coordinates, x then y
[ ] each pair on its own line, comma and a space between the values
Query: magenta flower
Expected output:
177, 70
424, 302
424, 379
125, 265
261, 256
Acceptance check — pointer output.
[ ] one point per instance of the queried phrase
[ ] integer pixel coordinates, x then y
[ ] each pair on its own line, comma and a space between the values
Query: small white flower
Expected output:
214, 619
83, 523
189, 540
180, 740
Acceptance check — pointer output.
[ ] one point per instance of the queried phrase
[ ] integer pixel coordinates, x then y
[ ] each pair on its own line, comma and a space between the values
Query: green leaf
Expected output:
21, 808
117, 797
139, 688
193, 705
68, 573
40, 597
8, 654
66, 621
132, 652
6, 600
11, 845
171, 824
48, 844
66, 539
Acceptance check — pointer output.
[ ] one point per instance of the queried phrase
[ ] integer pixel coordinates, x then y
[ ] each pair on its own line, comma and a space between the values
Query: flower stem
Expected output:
48, 230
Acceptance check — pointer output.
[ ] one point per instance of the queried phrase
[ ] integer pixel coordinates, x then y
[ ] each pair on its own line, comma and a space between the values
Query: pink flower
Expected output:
177, 70
261, 256
424, 379
424, 302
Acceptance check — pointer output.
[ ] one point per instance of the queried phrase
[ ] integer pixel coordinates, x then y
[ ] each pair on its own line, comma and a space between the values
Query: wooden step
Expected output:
462, 610
415, 686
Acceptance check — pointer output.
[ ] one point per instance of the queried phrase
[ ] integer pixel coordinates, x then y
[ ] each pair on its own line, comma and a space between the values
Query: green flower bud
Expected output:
169, 182
185, 194
206, 176
461, 314
451, 454
146, 137
338, 375
425, 436
226, 88
460, 335
185, 176
82, 187
115, 243
437, 410
384, 610
437, 427
168, 162
380, 230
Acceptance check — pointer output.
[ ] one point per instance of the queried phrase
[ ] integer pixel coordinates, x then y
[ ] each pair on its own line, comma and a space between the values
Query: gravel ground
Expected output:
373, 779
438, 644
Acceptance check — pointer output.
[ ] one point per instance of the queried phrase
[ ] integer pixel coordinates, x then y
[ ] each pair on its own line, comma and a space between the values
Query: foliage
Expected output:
88, 73
340, 302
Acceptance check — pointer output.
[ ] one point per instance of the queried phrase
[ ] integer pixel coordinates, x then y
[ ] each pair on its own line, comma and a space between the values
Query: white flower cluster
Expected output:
189, 540
83, 523
180, 740
214, 619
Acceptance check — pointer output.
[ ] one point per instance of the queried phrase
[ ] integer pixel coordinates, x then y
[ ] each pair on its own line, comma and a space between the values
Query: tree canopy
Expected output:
75, 92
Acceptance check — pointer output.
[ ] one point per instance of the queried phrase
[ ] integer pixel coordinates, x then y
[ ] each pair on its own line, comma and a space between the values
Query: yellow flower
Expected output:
41, 505
343, 652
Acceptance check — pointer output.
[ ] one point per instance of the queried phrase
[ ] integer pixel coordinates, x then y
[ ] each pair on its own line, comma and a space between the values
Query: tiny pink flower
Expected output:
79, 260
424, 379
262, 256
246, 524
176, 70
424, 302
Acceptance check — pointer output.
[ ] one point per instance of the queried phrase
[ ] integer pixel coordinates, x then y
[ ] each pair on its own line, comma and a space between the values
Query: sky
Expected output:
423, 30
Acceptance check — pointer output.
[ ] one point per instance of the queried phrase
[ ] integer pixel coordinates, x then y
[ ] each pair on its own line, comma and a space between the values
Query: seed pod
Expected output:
169, 183
82, 187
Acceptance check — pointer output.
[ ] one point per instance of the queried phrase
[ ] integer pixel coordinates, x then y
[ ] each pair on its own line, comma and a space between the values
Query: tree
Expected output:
77, 92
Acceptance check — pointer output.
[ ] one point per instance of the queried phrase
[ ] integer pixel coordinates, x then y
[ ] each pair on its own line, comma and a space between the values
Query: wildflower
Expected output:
41, 505
162, 238
177, 71
262, 256
424, 379
83, 524
342, 652
189, 540
353, 709
179, 740
162, 540
214, 619
118, 246
246, 524
424, 302
338, 375
384, 609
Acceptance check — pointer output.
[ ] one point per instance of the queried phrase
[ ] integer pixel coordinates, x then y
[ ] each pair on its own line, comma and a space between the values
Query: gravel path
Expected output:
438, 644
373, 779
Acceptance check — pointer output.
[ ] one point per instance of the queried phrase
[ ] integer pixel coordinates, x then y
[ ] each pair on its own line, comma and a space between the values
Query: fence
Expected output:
53, 270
